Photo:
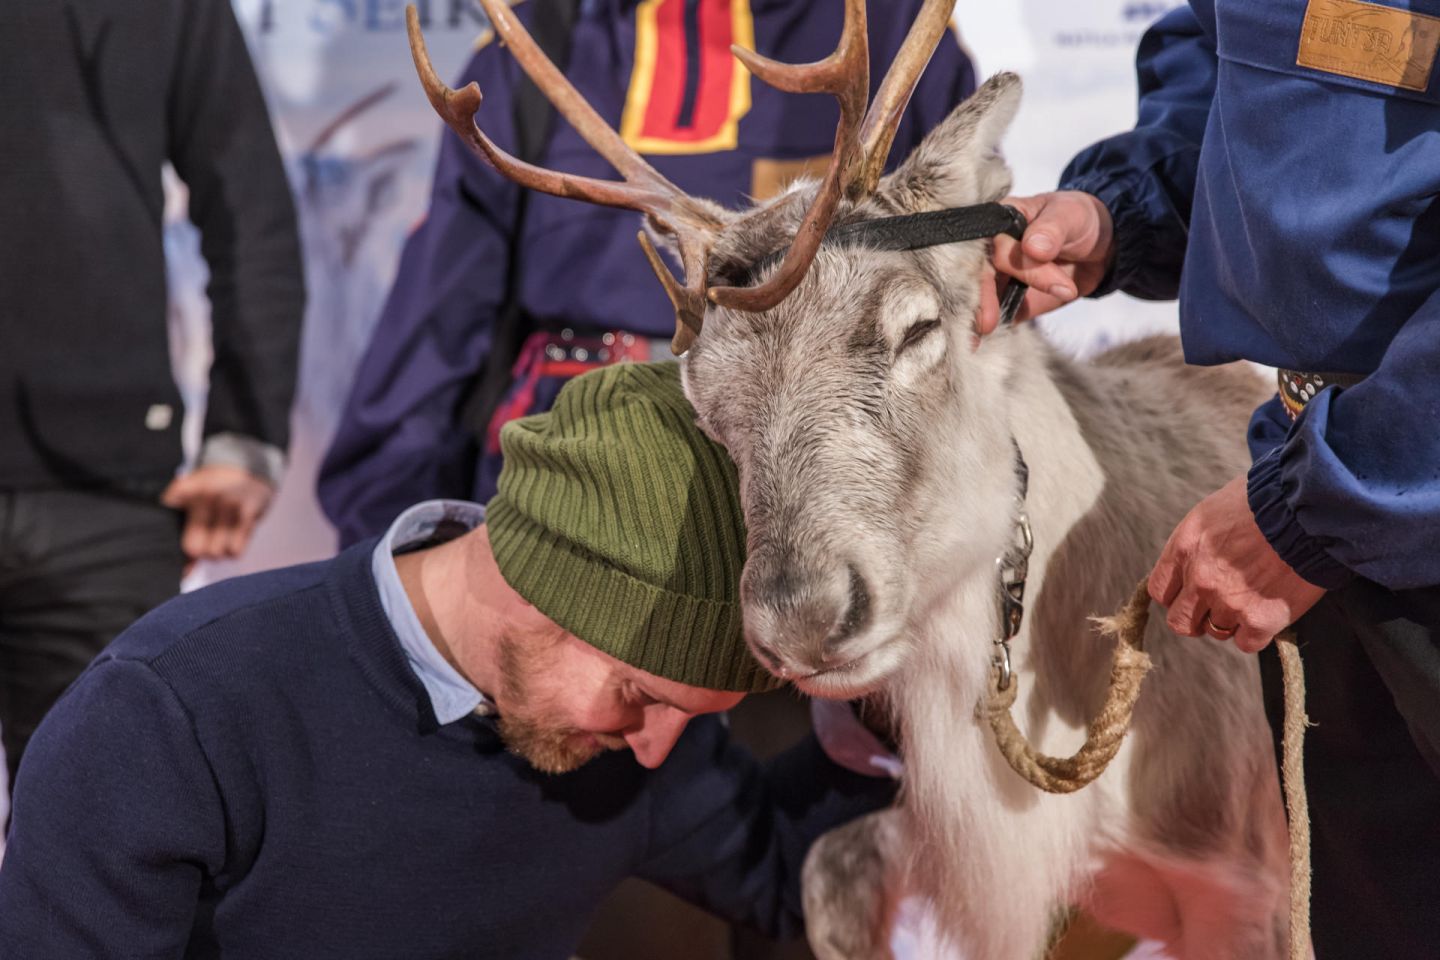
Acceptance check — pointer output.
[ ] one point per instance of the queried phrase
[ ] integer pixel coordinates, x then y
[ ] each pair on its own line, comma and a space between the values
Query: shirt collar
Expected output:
430, 523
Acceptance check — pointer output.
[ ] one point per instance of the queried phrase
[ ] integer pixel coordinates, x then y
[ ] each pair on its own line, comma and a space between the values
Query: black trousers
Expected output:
1372, 769
76, 568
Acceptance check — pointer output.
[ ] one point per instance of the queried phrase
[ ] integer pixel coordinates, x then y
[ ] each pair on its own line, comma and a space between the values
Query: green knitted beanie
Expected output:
619, 520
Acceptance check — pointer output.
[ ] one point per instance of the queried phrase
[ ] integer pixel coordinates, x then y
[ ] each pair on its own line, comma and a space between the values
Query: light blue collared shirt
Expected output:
451, 695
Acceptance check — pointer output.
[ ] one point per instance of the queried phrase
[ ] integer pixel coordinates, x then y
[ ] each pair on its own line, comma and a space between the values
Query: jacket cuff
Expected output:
261, 459
1265, 490
1131, 231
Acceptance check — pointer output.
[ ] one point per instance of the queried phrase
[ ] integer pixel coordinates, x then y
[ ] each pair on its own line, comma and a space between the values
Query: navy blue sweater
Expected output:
253, 771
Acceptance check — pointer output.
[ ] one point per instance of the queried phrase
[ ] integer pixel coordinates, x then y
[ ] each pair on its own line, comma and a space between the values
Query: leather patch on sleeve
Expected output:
1368, 41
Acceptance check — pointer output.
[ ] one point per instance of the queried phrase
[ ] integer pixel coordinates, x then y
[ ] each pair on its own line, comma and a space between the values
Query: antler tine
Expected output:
883, 118
845, 74
688, 298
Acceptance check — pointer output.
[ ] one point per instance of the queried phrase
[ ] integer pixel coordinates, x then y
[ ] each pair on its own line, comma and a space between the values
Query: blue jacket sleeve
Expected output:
399, 440
1146, 178
116, 824
1354, 488
730, 834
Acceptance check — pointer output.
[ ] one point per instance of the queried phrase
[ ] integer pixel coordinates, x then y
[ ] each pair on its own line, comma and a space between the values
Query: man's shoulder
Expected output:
262, 607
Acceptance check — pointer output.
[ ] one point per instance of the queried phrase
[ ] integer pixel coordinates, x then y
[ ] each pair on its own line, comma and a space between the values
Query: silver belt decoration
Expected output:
1011, 571
589, 348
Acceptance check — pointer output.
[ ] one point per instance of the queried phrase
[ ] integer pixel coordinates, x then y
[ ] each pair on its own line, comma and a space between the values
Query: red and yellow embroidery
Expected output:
677, 104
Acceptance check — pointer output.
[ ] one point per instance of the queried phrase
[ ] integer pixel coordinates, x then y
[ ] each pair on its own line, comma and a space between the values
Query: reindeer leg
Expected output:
851, 883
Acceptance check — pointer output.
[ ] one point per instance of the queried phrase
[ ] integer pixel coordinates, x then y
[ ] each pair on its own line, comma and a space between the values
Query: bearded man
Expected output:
450, 742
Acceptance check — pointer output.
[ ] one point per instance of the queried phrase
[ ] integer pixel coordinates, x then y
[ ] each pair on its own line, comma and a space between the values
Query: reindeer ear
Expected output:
959, 162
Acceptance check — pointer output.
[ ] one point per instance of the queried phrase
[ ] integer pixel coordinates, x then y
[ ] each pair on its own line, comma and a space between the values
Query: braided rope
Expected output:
1108, 728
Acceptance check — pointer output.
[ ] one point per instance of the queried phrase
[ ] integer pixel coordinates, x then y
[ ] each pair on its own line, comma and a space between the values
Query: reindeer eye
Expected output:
916, 333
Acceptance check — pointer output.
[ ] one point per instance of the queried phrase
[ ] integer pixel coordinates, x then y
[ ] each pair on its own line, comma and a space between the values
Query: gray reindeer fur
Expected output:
875, 452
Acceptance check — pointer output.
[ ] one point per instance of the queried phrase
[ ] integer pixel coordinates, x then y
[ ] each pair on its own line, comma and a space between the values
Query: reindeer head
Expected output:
850, 411
837, 375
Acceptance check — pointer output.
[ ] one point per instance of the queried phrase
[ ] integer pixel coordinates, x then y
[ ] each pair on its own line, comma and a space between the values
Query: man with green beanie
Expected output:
448, 743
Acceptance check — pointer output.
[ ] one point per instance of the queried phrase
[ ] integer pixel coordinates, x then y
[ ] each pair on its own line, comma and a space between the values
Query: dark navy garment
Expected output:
1302, 206
254, 771
399, 441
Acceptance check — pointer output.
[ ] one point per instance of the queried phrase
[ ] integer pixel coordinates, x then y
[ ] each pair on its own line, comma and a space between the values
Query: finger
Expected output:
1166, 579
1044, 239
987, 316
178, 493
239, 538
243, 528
224, 517
1046, 277
1186, 612
199, 516
1252, 639
1059, 224
221, 517
1037, 224
1220, 624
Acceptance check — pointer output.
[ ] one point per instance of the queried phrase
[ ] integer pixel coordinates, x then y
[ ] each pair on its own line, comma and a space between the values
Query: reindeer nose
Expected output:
857, 612
803, 618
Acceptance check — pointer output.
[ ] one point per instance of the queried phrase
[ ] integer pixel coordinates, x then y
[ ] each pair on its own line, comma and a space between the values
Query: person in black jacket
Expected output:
95, 526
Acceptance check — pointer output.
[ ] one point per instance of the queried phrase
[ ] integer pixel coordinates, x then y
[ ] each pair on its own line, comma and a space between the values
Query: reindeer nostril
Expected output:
857, 613
767, 658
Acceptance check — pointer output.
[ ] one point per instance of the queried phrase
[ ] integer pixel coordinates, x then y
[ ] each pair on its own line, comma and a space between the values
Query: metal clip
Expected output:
1001, 661
1012, 570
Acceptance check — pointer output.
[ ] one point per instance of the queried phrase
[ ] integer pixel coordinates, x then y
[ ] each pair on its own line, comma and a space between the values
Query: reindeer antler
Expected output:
845, 75
862, 144
644, 189
883, 118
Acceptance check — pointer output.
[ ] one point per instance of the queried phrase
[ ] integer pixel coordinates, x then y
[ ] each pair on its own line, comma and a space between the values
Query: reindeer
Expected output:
881, 453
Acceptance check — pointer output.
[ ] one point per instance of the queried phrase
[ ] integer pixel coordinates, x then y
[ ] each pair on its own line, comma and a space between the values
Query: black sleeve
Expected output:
222, 146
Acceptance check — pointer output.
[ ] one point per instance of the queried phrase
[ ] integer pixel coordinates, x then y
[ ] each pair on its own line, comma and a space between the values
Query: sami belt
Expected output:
1298, 388
565, 354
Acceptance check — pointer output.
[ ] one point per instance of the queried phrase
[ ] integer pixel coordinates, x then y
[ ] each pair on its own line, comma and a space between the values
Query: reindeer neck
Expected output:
1065, 483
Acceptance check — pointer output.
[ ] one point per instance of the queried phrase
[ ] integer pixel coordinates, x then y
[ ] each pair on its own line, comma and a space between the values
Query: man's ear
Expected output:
959, 162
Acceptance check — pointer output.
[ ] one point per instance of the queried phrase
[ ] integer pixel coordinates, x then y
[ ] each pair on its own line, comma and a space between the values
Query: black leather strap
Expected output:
912, 231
